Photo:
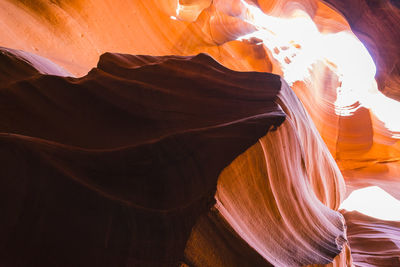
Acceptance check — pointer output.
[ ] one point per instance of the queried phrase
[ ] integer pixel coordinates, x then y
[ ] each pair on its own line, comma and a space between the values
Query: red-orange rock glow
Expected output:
197, 132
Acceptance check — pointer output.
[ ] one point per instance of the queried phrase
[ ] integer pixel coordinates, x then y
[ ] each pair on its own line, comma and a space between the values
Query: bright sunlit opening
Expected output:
374, 202
296, 44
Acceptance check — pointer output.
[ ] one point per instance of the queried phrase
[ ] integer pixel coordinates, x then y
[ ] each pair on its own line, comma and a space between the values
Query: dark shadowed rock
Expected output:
114, 168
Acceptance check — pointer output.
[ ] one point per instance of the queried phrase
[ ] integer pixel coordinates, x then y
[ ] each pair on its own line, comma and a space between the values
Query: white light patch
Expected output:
296, 43
374, 202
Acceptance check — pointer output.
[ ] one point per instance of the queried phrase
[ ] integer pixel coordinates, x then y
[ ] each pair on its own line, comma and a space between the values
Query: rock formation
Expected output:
197, 133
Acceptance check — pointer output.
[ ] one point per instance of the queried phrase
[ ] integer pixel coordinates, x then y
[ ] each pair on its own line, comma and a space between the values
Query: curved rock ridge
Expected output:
276, 199
114, 168
373, 242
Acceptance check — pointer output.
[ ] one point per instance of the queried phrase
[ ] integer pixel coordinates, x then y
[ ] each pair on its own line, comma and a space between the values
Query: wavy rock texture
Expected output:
364, 143
114, 168
373, 242
355, 120
266, 195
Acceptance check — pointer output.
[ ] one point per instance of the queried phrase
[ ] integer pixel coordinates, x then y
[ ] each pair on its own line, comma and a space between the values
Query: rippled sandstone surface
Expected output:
80, 151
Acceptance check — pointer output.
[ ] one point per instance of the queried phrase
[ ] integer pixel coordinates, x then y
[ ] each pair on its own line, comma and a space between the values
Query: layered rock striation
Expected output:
148, 159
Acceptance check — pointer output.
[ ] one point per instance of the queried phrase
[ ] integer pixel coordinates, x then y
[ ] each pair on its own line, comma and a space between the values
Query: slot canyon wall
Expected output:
197, 132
